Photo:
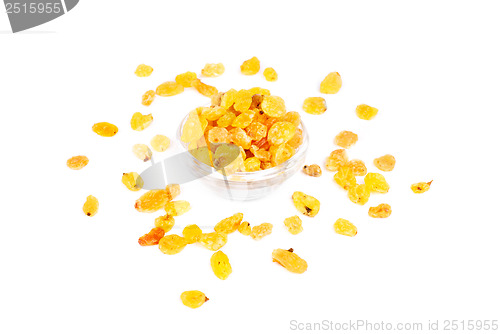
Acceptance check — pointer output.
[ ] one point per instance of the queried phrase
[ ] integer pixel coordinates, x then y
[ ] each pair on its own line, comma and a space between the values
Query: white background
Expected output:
431, 68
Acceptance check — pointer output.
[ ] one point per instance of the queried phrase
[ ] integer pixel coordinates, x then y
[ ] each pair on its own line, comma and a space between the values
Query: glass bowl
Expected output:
243, 186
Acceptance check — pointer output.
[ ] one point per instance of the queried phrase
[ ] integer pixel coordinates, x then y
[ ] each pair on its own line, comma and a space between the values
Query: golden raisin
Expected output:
283, 153
230, 224
177, 208
77, 162
346, 139
213, 70
358, 194
165, 222
289, 260
148, 97
143, 70
250, 66
420, 187
132, 181
345, 227
270, 74
366, 112
297, 139
376, 182
292, 117
244, 119
204, 89
142, 152
331, 84
245, 228
172, 244
226, 119
160, 143
273, 106
312, 170
213, 113
314, 105
380, 211
91, 206
262, 230
337, 159
220, 265
193, 128
358, 167
252, 164
306, 204
213, 241
153, 200
192, 233
239, 137
105, 129
385, 163
139, 121
345, 178
280, 133
153, 237
193, 298
219, 135
185, 79
256, 131
293, 224
169, 88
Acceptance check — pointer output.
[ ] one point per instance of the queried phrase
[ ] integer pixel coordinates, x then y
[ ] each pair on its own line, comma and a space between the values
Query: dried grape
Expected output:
220, 265
314, 105
376, 182
331, 84
169, 88
293, 224
358, 194
142, 152
192, 233
91, 206
380, 211
77, 162
148, 97
185, 79
193, 298
230, 224
260, 231
420, 187
289, 260
213, 70
385, 163
306, 204
250, 66
153, 237
172, 244
105, 129
160, 143
143, 70
312, 170
345, 227
132, 181
366, 112
177, 208
270, 74
139, 121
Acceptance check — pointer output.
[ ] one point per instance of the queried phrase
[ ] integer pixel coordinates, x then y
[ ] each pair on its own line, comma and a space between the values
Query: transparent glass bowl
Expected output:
243, 186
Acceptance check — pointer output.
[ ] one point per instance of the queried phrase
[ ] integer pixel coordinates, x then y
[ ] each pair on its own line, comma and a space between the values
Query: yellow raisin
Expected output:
306, 204
216, 99
337, 159
297, 139
346, 139
172, 244
213, 70
244, 119
139, 121
283, 153
273, 106
219, 135
212, 113
358, 167
293, 224
376, 182
270, 74
142, 152
230, 224
160, 143
245, 228
314, 105
105, 129
153, 237
281, 132
77, 162
358, 194
169, 88
252, 164
312, 170
185, 79
262, 230
420, 187
193, 298
132, 181
345, 178
292, 117
213, 241
177, 208
366, 112
192, 233
143, 70
165, 222
385, 163
153, 200
260, 91
194, 127
226, 119
91, 206
331, 83
228, 98
380, 211
239, 137
148, 97
250, 66
256, 130
345, 227
289, 260
220, 265
204, 89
